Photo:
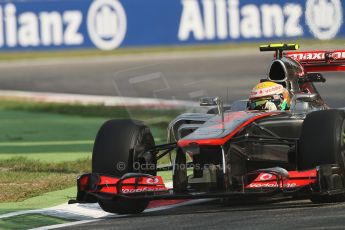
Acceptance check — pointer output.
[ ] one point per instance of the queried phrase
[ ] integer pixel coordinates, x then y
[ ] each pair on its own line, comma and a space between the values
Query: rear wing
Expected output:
320, 60
312, 61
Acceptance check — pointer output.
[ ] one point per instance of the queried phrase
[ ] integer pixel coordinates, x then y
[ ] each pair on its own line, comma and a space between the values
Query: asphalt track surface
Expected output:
215, 215
172, 76
187, 77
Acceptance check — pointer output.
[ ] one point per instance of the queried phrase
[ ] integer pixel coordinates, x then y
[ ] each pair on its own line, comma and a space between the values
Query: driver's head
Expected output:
269, 96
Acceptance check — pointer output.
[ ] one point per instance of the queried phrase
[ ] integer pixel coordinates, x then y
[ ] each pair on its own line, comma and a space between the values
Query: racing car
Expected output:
235, 152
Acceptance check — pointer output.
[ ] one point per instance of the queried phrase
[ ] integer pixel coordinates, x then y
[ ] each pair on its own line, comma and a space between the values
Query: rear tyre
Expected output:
119, 148
322, 142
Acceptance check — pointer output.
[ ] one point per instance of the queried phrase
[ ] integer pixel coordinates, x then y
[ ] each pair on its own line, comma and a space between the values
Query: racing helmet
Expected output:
269, 96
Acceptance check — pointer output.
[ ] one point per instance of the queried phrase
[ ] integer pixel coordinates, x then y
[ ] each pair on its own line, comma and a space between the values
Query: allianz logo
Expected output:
227, 19
106, 26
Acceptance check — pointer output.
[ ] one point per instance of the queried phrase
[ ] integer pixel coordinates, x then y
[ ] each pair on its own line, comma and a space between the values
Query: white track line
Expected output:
65, 225
87, 213
191, 202
66, 211
95, 100
70, 211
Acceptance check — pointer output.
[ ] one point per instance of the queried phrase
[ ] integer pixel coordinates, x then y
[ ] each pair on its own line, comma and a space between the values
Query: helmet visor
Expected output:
260, 103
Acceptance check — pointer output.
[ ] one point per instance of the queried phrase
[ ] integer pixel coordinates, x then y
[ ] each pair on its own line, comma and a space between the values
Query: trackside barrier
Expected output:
111, 24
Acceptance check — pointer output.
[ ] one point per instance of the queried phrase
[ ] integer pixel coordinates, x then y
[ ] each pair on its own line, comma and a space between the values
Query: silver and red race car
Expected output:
230, 152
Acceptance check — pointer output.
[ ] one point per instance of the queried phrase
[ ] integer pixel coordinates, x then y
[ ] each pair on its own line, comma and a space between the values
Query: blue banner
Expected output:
112, 24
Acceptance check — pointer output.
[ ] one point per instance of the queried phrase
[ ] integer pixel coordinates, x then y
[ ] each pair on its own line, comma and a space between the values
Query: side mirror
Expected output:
208, 101
214, 101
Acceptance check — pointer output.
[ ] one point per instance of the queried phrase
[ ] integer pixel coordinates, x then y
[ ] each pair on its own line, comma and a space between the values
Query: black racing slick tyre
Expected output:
119, 148
180, 179
322, 142
124, 206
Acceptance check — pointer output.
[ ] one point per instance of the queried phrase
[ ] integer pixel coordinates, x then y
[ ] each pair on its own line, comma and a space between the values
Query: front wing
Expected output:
267, 183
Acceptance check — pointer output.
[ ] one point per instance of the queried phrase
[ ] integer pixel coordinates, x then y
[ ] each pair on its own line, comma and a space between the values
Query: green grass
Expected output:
52, 198
20, 127
158, 49
48, 157
21, 177
44, 200
90, 110
53, 131
44, 147
29, 221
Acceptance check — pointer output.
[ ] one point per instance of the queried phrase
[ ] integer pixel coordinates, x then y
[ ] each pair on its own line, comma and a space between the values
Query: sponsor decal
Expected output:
265, 176
324, 18
271, 185
260, 92
106, 24
109, 24
313, 56
224, 19
152, 180
229, 19
145, 189
317, 56
44, 28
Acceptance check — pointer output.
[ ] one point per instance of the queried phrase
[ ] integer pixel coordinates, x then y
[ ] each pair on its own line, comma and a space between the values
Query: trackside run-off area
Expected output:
45, 146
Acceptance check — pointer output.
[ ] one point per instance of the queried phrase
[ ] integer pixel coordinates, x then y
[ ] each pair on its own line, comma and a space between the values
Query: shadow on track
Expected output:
218, 206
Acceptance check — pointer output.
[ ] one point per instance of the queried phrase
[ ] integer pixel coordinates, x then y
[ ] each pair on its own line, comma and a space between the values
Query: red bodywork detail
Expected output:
296, 179
108, 184
320, 60
223, 140
83, 182
325, 68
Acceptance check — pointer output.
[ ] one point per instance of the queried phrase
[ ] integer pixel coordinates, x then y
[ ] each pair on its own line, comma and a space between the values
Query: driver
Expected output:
269, 96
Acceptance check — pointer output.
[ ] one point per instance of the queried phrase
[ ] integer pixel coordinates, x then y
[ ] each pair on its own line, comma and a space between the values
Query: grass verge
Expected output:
43, 146
45, 200
29, 221
22, 177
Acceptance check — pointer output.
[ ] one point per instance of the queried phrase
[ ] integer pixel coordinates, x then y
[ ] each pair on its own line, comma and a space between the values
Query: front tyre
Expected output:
120, 148
124, 206
180, 179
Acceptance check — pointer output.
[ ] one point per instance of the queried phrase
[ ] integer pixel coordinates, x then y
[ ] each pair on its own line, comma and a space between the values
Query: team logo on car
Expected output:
265, 176
106, 24
152, 180
324, 17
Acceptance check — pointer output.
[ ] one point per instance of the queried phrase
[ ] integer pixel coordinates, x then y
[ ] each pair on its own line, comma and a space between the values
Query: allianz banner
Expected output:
112, 24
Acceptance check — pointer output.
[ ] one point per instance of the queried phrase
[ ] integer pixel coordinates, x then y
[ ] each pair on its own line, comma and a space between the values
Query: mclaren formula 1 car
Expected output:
230, 152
